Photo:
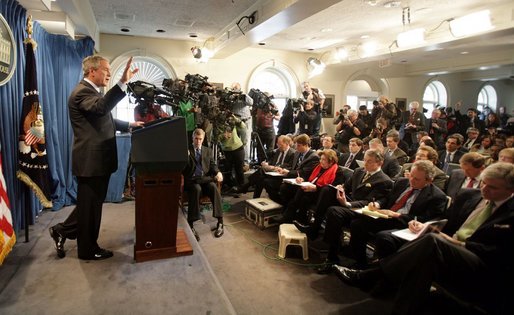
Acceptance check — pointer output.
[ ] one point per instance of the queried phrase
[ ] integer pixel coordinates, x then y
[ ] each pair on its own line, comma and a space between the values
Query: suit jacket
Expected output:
454, 183
493, 241
442, 157
209, 167
94, 130
399, 155
304, 169
418, 121
429, 204
375, 188
353, 165
437, 134
465, 122
391, 167
288, 160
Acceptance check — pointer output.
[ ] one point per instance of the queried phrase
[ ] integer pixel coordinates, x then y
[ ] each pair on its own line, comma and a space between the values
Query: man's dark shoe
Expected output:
219, 230
326, 268
59, 242
310, 230
195, 234
99, 255
349, 276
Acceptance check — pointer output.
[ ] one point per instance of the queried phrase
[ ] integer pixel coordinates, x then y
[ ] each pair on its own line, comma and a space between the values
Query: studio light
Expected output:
471, 24
315, 66
411, 38
197, 52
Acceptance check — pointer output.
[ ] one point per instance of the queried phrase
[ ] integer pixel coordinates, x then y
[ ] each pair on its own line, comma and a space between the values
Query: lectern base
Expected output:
183, 248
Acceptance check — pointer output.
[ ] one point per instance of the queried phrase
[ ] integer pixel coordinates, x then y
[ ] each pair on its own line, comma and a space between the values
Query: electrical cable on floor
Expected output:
265, 247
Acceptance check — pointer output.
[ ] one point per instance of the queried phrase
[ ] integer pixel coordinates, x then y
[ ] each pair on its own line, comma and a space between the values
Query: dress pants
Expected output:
364, 228
83, 223
194, 192
337, 218
432, 258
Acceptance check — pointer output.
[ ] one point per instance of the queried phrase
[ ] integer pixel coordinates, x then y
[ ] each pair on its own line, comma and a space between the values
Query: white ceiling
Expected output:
317, 27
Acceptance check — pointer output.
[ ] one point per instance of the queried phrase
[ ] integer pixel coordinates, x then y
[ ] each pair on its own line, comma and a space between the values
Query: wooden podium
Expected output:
159, 153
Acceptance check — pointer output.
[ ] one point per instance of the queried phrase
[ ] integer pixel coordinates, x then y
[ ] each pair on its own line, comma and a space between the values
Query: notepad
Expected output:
274, 174
292, 181
430, 226
373, 214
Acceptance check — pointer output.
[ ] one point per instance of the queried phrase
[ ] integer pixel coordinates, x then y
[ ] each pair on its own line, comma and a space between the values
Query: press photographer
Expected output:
349, 127
307, 119
265, 112
241, 107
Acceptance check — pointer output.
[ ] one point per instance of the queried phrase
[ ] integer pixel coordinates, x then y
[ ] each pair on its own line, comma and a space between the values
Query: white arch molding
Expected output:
282, 70
152, 69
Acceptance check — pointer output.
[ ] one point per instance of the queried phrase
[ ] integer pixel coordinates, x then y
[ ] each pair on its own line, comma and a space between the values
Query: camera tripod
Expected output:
255, 143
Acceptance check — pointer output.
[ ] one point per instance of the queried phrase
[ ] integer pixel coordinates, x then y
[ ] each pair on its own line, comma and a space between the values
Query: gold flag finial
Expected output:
29, 38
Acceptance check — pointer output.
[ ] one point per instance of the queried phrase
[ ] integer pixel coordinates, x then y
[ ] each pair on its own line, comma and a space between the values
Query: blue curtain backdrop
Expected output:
59, 69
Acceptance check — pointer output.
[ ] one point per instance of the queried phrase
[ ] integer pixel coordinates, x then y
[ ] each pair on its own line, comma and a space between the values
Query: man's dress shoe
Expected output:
349, 276
59, 242
310, 230
99, 255
327, 267
219, 230
195, 234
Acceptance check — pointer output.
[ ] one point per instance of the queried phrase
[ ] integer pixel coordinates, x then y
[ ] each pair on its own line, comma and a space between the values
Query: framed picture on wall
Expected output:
217, 86
329, 106
401, 103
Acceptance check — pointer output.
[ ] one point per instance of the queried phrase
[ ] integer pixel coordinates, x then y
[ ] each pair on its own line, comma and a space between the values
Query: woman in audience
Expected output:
484, 147
325, 173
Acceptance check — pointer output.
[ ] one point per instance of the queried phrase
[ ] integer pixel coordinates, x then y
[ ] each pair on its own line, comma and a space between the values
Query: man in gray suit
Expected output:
94, 155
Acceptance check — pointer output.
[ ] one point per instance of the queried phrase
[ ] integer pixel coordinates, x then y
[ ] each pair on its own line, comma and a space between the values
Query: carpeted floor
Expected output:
238, 273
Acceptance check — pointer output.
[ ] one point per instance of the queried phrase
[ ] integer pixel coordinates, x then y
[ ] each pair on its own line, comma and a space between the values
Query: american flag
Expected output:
7, 236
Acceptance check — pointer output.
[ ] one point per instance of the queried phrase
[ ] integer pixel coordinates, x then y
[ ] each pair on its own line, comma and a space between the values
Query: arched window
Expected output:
435, 94
276, 79
487, 98
151, 69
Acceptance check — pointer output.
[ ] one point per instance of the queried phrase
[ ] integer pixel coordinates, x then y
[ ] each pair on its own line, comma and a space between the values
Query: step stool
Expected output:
288, 234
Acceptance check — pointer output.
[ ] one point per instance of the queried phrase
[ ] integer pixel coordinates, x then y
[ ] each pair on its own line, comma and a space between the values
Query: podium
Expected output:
159, 153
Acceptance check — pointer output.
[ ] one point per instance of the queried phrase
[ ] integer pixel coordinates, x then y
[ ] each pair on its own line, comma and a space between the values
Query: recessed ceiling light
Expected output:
464, 52
160, 31
125, 29
364, 36
193, 35
262, 44
326, 30
310, 49
403, 61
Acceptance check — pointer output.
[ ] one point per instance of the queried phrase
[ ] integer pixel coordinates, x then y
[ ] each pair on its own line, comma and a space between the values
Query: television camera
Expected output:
262, 101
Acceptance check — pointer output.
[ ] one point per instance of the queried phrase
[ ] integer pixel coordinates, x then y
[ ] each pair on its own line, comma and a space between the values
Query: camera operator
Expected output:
365, 116
341, 114
241, 108
383, 108
186, 108
319, 101
233, 148
147, 111
349, 127
264, 116
307, 118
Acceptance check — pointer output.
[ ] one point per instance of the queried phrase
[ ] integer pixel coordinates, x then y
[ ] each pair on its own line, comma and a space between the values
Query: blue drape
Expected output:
58, 61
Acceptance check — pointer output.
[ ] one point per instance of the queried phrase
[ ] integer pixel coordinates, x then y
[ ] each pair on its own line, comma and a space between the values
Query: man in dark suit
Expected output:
412, 198
202, 180
471, 165
349, 159
412, 122
367, 184
282, 157
390, 166
304, 161
392, 150
436, 128
94, 155
476, 262
470, 120
452, 154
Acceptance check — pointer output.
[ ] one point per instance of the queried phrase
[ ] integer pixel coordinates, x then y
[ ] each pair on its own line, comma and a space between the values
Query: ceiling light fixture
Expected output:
411, 38
251, 19
471, 24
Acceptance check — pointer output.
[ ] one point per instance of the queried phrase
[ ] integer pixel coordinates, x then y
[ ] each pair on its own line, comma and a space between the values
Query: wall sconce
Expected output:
411, 38
471, 24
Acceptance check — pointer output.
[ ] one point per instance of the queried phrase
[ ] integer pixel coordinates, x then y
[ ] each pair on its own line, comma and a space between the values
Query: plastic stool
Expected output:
288, 234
